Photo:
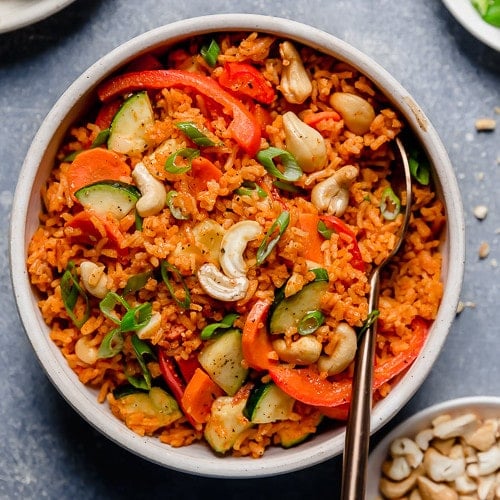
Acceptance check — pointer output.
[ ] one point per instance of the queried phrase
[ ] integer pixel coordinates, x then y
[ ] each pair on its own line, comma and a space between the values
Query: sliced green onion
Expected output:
248, 188
291, 169
195, 134
138, 221
175, 211
324, 230
70, 292
210, 53
390, 205
111, 344
320, 274
136, 282
310, 322
227, 322
188, 153
419, 167
489, 10
108, 305
271, 238
368, 322
141, 350
287, 186
136, 317
167, 268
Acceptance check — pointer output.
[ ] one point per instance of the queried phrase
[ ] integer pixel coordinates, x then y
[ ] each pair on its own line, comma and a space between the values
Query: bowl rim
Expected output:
485, 406
321, 448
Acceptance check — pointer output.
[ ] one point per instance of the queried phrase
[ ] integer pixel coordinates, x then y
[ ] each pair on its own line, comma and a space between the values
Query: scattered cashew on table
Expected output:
454, 458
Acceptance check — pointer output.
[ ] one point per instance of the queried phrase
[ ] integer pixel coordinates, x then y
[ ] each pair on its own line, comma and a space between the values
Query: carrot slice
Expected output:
94, 165
202, 171
199, 394
309, 224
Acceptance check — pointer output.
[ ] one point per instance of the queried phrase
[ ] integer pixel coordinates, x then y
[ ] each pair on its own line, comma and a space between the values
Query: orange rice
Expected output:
410, 286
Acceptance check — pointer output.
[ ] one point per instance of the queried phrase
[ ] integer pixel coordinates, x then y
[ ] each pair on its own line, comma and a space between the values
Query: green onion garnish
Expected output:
210, 53
100, 139
390, 205
111, 344
286, 186
70, 292
227, 322
310, 322
291, 169
167, 268
134, 317
419, 167
368, 322
141, 350
136, 282
188, 153
198, 137
325, 231
271, 238
248, 188
320, 274
175, 211
489, 10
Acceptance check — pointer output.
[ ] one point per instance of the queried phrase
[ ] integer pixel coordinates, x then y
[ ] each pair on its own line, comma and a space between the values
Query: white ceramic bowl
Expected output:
483, 406
198, 459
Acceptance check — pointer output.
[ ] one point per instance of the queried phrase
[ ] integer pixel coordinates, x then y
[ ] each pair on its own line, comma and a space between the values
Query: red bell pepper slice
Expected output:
174, 381
245, 79
255, 341
244, 128
340, 227
306, 384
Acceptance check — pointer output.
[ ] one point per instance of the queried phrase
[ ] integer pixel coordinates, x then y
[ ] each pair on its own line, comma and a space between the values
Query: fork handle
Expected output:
357, 438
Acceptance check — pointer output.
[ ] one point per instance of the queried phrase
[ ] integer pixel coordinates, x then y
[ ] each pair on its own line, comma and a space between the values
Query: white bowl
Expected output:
198, 459
483, 406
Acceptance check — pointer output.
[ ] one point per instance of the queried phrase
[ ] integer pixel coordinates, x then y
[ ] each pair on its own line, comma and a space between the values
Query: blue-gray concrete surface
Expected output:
46, 449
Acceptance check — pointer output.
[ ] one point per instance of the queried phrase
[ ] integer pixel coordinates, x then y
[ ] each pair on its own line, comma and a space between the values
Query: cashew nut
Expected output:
489, 460
396, 469
405, 447
357, 113
94, 278
455, 427
429, 490
295, 84
304, 351
151, 327
153, 192
442, 468
398, 489
304, 142
483, 437
222, 287
85, 351
332, 194
344, 353
233, 245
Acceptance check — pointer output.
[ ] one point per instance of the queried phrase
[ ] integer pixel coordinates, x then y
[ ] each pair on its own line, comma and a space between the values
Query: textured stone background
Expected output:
46, 449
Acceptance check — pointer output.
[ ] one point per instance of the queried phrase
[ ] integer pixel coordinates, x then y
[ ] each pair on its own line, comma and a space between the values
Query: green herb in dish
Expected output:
489, 10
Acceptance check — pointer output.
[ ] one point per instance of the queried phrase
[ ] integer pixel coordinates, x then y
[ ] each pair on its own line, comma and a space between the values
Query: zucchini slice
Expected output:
109, 197
156, 403
222, 359
127, 130
294, 435
268, 403
226, 422
289, 312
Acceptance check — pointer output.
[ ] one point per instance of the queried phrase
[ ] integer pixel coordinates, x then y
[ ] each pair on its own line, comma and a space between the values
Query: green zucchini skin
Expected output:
128, 127
268, 403
226, 423
290, 310
109, 197
222, 359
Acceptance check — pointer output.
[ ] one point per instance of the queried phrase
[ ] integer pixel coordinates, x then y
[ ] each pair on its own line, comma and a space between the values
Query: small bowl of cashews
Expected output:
450, 450
309, 448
